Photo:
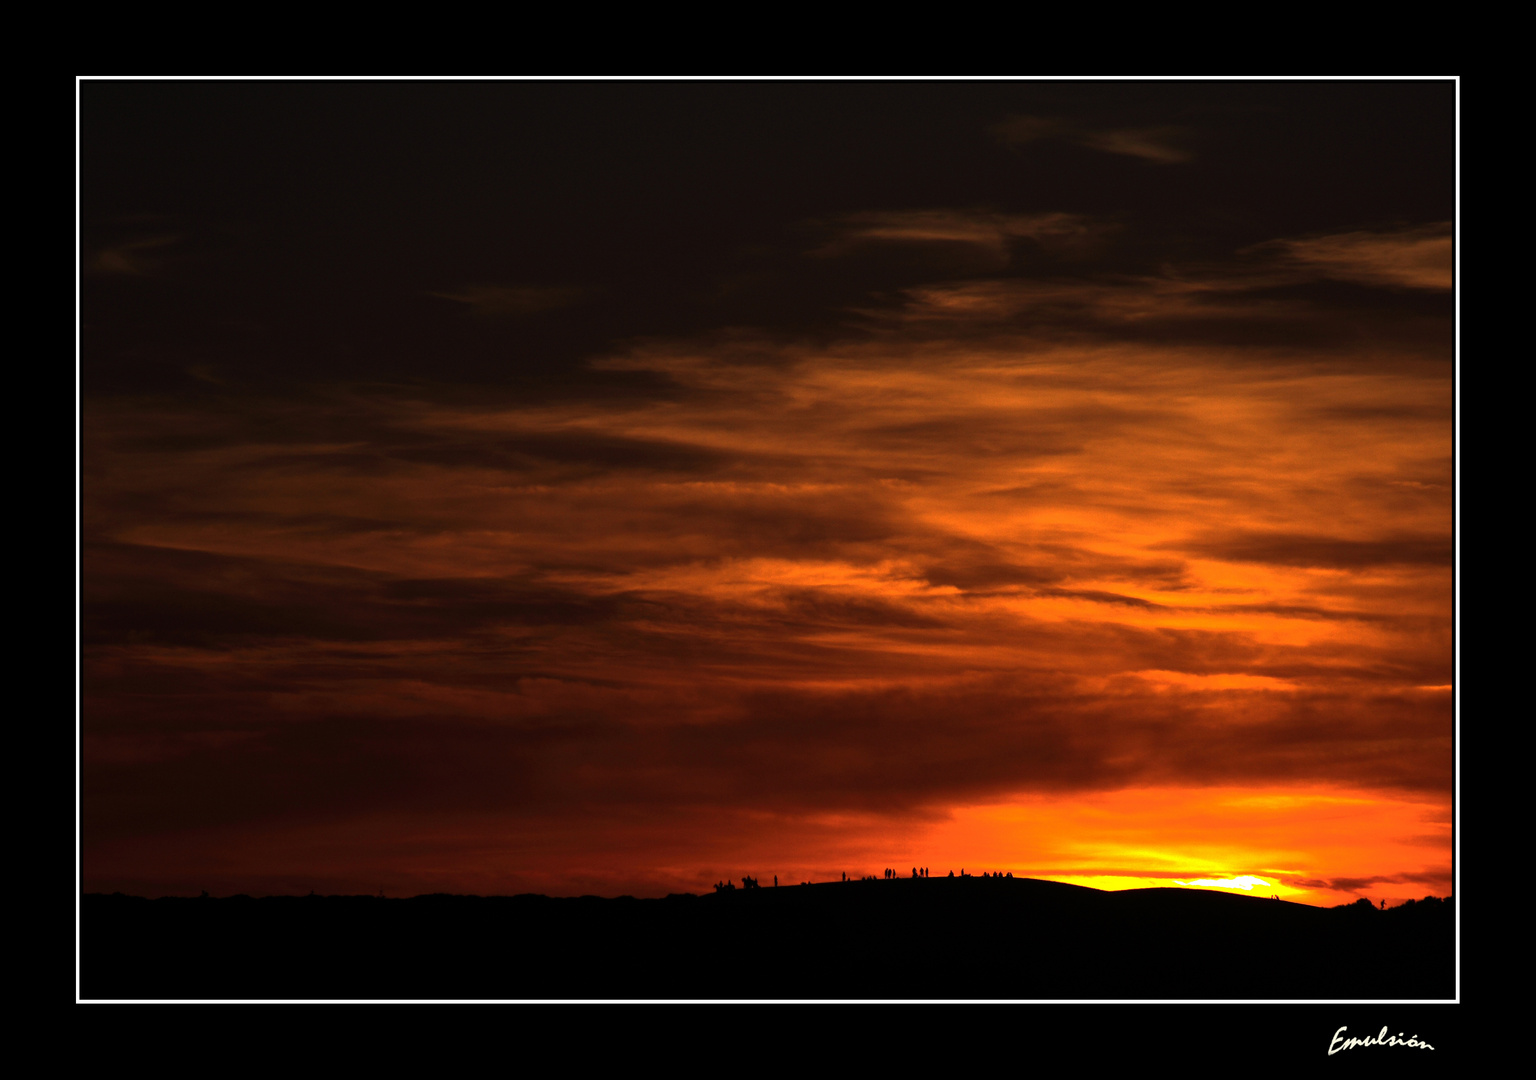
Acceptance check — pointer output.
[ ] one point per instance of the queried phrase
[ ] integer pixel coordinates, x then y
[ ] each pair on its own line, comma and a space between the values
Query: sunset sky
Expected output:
613, 487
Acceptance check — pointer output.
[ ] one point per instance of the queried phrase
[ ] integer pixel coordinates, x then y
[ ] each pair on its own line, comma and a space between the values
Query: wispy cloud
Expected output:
990, 233
1160, 144
1156, 144
1416, 258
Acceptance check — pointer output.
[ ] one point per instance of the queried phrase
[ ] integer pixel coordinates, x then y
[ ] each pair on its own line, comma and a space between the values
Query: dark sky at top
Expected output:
314, 229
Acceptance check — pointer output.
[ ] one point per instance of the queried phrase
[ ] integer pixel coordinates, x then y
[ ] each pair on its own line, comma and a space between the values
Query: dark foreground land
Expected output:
937, 938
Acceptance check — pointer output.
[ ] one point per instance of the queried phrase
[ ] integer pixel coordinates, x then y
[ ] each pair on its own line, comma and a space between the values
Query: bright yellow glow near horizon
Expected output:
1316, 845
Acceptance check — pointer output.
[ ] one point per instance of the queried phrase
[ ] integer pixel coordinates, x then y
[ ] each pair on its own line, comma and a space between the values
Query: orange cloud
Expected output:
1081, 548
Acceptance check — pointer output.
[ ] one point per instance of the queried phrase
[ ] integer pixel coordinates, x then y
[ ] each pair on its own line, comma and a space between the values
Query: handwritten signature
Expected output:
1381, 1039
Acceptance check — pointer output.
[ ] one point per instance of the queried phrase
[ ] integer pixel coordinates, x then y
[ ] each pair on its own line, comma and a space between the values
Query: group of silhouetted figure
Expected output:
889, 875
746, 883
922, 872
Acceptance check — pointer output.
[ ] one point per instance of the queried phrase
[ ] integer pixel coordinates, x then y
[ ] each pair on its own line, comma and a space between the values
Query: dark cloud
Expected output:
1303, 611
593, 450
780, 751
188, 598
974, 575
1294, 549
1439, 880
808, 608
1100, 597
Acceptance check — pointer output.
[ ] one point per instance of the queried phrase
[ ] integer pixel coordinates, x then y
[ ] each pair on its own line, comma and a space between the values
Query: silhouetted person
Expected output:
1383, 903
775, 881
951, 873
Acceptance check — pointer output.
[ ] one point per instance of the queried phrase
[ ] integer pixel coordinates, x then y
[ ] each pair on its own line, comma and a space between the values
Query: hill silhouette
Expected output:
942, 938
